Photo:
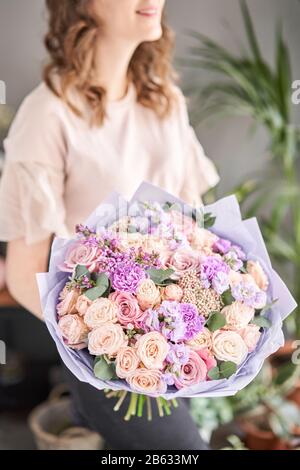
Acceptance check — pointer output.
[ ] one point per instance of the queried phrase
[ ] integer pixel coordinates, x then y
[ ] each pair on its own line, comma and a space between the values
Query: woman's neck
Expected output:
111, 64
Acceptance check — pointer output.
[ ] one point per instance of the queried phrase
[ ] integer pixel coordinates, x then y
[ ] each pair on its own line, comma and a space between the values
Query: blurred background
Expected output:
237, 62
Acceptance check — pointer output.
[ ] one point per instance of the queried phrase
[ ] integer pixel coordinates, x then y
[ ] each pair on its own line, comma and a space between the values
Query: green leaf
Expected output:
227, 297
104, 370
80, 271
215, 321
209, 220
227, 369
214, 373
102, 285
262, 322
160, 276
250, 32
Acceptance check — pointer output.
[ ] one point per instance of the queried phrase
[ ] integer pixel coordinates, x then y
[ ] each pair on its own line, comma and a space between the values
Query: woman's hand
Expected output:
22, 263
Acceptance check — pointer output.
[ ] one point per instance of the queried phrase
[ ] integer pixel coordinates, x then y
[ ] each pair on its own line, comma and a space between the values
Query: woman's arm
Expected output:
23, 261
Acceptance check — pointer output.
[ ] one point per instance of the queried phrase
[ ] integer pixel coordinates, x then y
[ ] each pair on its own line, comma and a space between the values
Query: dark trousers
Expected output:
92, 409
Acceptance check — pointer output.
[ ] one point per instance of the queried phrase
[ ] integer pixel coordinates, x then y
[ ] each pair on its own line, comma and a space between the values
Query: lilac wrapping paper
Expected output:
229, 224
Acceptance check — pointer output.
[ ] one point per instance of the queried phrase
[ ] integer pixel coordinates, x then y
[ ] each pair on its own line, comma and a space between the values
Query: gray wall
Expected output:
228, 143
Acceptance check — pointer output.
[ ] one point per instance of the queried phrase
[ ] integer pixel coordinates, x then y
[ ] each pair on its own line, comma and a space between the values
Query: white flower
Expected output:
229, 346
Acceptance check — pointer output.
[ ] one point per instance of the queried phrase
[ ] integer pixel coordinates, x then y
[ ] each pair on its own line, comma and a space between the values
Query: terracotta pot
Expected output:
259, 439
283, 354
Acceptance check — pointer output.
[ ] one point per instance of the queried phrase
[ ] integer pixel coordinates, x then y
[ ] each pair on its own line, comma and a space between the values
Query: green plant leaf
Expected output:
214, 373
102, 285
160, 276
250, 31
80, 271
209, 220
215, 321
262, 322
227, 369
104, 370
227, 297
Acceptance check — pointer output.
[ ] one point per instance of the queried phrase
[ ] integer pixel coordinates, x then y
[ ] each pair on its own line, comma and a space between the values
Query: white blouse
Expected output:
58, 170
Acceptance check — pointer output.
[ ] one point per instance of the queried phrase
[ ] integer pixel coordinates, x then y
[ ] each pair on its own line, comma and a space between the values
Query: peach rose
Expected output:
147, 381
130, 240
108, 339
127, 362
147, 294
68, 304
73, 329
152, 243
152, 349
101, 311
182, 261
191, 373
181, 222
79, 253
82, 304
250, 335
229, 346
256, 271
203, 340
172, 292
237, 315
202, 240
128, 311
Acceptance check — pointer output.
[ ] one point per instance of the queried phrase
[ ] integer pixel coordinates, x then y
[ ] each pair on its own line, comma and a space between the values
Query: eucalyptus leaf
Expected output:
214, 373
262, 322
215, 321
160, 276
102, 285
227, 369
81, 271
227, 297
209, 220
104, 370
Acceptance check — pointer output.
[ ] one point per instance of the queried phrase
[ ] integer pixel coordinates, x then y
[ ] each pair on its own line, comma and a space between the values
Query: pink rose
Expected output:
182, 261
79, 253
129, 311
250, 335
203, 340
192, 373
181, 222
208, 358
101, 311
237, 315
108, 339
172, 292
127, 362
147, 294
256, 271
152, 349
73, 329
147, 381
82, 304
68, 304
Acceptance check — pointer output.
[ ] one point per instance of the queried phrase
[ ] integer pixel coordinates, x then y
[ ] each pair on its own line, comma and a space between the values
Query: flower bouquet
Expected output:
158, 299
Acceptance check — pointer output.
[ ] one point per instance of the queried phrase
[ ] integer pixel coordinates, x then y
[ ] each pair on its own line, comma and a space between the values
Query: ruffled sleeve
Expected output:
33, 180
200, 173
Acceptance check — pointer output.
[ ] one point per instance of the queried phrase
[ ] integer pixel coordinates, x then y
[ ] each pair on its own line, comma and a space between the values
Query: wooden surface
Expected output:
6, 299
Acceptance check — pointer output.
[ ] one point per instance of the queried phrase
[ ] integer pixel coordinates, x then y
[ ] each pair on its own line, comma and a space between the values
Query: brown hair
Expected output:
70, 39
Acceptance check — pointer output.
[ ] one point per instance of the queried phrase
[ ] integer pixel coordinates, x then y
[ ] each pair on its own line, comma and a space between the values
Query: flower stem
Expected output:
141, 405
132, 406
166, 406
119, 403
160, 407
174, 403
149, 409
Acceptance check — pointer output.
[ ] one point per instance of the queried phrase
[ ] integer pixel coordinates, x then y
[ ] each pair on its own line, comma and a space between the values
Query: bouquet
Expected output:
159, 299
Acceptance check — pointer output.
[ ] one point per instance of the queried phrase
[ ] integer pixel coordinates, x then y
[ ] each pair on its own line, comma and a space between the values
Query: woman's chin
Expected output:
153, 35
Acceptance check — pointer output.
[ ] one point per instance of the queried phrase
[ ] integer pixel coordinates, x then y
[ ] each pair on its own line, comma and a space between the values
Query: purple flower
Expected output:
178, 355
210, 274
150, 321
249, 294
126, 276
231, 258
173, 326
239, 252
193, 321
222, 246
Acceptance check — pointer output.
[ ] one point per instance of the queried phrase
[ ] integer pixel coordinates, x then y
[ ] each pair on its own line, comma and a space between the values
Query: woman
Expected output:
106, 116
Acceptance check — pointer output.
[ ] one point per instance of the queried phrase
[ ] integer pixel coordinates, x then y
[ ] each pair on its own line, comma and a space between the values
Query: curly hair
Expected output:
71, 40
